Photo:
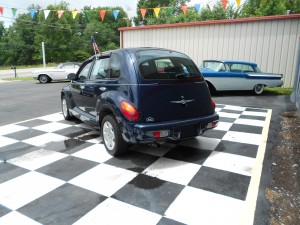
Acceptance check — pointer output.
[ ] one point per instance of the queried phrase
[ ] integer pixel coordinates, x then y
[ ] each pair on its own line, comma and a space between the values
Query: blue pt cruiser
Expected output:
140, 95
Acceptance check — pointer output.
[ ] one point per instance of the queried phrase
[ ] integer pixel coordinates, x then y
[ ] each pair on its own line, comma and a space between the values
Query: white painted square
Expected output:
96, 152
37, 159
259, 123
235, 108
200, 142
43, 139
218, 109
4, 141
14, 218
224, 126
229, 115
242, 137
51, 127
173, 170
11, 128
104, 179
53, 117
195, 206
21, 190
230, 162
112, 211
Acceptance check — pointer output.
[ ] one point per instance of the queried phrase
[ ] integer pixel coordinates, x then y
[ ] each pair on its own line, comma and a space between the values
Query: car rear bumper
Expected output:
171, 130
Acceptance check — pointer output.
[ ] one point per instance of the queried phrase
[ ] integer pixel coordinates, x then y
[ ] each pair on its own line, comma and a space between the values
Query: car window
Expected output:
216, 66
159, 64
85, 71
115, 66
241, 68
68, 66
100, 69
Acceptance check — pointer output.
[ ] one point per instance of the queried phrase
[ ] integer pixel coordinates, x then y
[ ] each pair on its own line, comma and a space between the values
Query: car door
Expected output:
234, 78
99, 81
79, 93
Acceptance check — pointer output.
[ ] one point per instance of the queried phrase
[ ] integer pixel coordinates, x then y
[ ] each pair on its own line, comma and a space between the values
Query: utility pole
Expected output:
44, 57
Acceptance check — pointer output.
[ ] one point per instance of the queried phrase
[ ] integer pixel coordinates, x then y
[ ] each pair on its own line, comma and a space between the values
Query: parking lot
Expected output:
58, 172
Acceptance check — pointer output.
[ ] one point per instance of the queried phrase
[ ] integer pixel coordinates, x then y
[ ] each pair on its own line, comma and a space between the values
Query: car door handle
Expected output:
102, 88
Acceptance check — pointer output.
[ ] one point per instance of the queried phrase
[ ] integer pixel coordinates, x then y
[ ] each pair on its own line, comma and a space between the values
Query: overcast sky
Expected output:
127, 5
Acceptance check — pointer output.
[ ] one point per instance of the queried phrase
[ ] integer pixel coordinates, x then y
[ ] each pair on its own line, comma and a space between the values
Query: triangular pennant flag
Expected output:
224, 3
59, 13
1, 10
238, 2
197, 7
116, 13
74, 13
102, 14
46, 13
88, 15
156, 11
184, 7
143, 12
32, 13
14, 11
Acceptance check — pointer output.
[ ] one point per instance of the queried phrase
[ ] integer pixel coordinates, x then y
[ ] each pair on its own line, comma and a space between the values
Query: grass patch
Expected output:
29, 66
279, 91
18, 78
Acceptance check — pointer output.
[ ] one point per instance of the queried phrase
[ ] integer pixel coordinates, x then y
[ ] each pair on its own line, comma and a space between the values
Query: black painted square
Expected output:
25, 134
237, 148
149, 193
17, 149
72, 132
9, 171
64, 205
221, 182
33, 123
4, 211
134, 161
226, 119
218, 134
67, 168
188, 154
167, 221
246, 128
68, 146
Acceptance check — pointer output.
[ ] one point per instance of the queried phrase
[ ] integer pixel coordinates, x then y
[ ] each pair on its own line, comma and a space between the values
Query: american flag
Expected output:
96, 49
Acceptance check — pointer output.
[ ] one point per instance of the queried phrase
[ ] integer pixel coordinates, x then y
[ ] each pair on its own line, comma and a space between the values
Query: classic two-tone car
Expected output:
60, 72
237, 75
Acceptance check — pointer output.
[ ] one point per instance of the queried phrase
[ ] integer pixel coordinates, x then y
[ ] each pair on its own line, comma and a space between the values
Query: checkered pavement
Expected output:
54, 171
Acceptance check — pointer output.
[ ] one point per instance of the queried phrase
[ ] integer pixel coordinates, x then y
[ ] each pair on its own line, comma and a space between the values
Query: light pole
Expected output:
44, 55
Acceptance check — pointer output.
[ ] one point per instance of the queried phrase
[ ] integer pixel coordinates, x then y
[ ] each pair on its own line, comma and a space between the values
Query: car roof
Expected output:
232, 61
130, 51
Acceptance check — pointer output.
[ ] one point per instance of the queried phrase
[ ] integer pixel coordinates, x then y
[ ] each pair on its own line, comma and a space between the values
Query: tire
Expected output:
65, 109
258, 89
112, 136
44, 79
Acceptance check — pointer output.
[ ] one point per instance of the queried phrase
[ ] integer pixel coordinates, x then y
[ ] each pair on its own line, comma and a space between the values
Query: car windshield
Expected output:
160, 64
212, 65
59, 66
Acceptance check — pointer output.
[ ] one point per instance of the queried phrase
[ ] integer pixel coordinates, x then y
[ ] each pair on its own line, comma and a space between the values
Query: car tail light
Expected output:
158, 134
129, 111
213, 104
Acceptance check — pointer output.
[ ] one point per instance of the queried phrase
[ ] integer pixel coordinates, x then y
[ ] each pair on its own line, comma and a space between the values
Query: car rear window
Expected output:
160, 64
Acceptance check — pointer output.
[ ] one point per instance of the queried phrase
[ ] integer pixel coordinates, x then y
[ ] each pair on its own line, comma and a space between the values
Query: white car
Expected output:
61, 72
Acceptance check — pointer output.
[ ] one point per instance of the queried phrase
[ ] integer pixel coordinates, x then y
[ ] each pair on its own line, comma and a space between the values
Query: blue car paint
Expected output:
133, 88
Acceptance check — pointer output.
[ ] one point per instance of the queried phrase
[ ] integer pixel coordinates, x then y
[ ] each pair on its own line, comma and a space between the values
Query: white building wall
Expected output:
271, 43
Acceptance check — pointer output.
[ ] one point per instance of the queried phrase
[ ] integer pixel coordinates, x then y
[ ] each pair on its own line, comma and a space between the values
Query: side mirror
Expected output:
72, 76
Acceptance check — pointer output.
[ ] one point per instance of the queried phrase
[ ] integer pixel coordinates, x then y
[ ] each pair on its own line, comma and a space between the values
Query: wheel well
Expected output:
103, 113
211, 86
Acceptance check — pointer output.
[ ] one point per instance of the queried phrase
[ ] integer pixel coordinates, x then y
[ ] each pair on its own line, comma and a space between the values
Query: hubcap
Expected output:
64, 107
258, 88
43, 79
109, 135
